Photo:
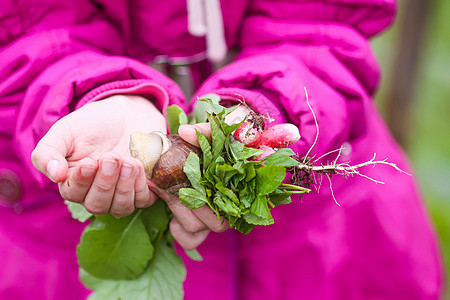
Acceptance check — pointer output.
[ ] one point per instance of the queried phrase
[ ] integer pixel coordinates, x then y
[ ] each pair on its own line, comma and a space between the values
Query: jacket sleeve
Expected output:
59, 55
320, 49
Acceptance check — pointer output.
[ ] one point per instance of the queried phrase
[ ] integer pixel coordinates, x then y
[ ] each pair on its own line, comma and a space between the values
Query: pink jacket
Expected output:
56, 56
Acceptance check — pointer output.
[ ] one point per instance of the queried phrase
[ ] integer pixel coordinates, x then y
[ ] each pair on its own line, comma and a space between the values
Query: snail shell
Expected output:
163, 158
168, 172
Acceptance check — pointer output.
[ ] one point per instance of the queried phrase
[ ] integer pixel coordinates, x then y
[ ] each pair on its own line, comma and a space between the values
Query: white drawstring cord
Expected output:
205, 18
196, 18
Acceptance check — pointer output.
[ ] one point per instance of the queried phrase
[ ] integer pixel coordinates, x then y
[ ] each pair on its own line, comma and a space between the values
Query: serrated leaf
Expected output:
246, 197
227, 192
250, 172
192, 198
243, 226
260, 208
213, 101
226, 205
107, 242
162, 279
175, 118
206, 149
192, 170
204, 105
225, 172
218, 137
257, 220
78, 211
281, 158
228, 129
240, 152
229, 110
209, 174
268, 178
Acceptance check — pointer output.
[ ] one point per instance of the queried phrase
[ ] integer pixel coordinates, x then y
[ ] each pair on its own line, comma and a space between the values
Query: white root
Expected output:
307, 166
345, 169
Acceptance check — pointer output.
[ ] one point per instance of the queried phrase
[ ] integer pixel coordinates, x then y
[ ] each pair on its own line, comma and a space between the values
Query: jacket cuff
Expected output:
141, 87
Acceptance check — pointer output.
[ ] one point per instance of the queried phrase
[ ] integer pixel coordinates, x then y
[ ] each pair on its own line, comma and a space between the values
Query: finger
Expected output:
187, 240
49, 155
187, 132
98, 199
143, 197
77, 185
237, 115
209, 218
184, 215
123, 200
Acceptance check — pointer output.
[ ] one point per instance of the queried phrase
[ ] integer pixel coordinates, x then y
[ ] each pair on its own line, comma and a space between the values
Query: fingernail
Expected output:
52, 169
109, 167
87, 171
125, 171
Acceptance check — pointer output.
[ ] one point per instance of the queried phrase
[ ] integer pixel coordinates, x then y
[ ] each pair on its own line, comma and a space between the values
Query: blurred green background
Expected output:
414, 98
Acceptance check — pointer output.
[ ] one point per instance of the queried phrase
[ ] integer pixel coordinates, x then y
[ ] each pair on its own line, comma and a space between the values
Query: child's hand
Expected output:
190, 228
86, 153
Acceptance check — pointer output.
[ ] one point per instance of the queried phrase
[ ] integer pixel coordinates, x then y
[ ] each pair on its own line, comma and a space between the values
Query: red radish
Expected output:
248, 135
280, 135
267, 151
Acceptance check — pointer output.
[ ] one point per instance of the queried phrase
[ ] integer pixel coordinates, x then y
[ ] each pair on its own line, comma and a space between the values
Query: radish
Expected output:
248, 135
280, 136
267, 151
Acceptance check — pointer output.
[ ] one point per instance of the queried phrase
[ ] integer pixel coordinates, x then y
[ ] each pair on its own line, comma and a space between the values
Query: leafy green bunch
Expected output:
227, 178
134, 257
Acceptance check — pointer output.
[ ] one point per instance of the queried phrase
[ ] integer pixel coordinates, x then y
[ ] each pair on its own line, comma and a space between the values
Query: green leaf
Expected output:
279, 197
194, 255
192, 198
225, 172
227, 192
227, 129
243, 226
260, 208
175, 118
192, 170
268, 178
103, 288
212, 103
209, 174
218, 137
257, 220
246, 196
113, 248
250, 172
240, 152
227, 111
207, 104
155, 218
162, 279
281, 158
206, 149
226, 205
78, 211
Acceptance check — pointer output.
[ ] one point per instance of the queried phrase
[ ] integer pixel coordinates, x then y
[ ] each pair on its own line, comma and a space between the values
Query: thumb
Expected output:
49, 156
187, 132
